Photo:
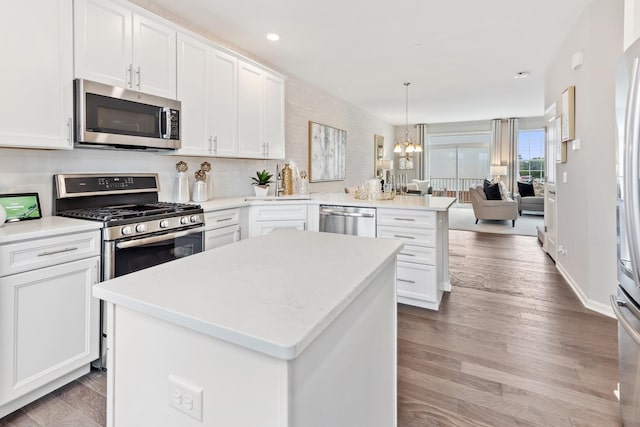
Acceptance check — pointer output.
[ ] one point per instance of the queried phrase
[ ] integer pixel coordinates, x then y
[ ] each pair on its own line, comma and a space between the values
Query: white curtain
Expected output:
513, 170
496, 142
423, 158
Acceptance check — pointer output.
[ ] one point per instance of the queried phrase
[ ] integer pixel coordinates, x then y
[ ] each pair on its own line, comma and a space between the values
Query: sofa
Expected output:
492, 209
530, 196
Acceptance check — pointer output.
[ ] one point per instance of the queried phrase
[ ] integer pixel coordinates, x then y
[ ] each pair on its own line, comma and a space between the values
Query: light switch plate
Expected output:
576, 144
564, 177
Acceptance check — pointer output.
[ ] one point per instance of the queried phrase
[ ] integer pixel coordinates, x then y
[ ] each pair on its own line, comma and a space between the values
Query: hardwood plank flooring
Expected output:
510, 346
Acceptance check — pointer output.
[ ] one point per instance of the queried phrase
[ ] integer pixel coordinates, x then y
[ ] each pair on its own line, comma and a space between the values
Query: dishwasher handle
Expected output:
330, 212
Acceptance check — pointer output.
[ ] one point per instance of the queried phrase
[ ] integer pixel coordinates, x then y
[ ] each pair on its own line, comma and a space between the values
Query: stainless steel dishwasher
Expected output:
348, 220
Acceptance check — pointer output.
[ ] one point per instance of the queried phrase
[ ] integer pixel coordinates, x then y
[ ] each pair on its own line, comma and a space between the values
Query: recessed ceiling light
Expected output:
273, 37
521, 75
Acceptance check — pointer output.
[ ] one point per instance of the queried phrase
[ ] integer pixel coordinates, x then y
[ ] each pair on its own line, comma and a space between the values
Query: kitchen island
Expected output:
290, 329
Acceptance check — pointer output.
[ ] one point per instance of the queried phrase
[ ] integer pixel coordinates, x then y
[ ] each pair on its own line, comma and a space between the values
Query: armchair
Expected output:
492, 209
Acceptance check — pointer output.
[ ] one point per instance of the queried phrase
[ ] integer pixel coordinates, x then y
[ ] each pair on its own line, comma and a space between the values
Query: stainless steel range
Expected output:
138, 230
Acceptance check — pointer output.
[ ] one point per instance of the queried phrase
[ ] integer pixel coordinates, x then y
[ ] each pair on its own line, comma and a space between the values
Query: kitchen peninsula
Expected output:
289, 329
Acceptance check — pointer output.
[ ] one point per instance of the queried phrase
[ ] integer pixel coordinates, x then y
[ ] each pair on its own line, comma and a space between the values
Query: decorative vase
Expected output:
261, 190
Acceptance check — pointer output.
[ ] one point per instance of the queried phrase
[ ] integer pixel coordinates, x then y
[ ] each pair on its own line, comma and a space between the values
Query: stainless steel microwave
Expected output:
108, 116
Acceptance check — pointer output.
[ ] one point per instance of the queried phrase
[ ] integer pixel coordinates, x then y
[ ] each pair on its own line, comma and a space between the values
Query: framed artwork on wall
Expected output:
568, 114
327, 153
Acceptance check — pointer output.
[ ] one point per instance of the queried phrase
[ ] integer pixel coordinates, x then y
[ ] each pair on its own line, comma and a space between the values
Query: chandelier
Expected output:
405, 144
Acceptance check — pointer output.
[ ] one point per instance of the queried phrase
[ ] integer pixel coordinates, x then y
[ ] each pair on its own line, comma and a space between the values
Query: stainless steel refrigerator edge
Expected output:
626, 304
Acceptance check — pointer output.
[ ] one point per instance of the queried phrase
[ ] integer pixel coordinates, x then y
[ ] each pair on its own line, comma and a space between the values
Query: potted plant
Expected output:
261, 182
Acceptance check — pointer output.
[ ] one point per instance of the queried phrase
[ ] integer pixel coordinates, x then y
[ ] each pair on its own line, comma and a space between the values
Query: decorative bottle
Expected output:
287, 180
181, 189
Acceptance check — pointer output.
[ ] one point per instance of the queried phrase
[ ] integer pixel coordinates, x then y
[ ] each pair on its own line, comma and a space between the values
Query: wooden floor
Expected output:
511, 346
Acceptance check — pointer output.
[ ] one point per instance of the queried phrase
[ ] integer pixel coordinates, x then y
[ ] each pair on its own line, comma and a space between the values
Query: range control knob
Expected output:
164, 223
193, 218
184, 220
141, 228
126, 230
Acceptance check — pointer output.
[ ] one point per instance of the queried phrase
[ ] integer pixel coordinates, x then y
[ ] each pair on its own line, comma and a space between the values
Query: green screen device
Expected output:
21, 206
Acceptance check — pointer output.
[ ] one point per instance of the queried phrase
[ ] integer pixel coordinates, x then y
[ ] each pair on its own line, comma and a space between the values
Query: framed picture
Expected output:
327, 153
568, 114
21, 206
561, 146
378, 153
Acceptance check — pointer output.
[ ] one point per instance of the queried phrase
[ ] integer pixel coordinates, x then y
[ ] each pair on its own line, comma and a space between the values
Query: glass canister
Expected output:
287, 180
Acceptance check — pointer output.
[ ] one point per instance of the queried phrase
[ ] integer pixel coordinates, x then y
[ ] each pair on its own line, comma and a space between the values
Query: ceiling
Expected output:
460, 56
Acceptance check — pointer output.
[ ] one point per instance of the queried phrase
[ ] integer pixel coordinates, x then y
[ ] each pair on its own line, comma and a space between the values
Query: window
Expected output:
531, 154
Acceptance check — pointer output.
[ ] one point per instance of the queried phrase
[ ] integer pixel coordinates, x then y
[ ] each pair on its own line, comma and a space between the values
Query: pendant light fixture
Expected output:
406, 145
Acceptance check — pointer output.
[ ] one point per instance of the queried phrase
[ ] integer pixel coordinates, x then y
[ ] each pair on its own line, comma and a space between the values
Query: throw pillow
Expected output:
538, 188
525, 189
492, 190
423, 185
504, 193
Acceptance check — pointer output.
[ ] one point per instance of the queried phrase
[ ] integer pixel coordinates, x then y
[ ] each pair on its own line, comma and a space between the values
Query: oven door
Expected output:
126, 256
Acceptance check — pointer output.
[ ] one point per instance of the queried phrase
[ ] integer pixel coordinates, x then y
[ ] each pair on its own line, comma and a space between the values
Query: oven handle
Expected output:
628, 327
156, 239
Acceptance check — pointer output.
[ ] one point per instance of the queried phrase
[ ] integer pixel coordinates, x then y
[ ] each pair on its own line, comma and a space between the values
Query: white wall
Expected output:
586, 202
24, 170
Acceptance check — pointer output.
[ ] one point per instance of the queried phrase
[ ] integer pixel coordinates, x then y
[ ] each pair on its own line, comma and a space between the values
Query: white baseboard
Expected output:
587, 303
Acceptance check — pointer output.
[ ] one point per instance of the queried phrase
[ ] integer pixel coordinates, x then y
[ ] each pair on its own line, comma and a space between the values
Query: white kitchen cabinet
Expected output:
221, 228
49, 320
207, 88
260, 113
117, 46
263, 219
422, 266
37, 74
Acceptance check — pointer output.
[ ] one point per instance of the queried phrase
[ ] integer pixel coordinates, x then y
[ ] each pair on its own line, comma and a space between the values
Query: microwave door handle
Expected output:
631, 165
165, 123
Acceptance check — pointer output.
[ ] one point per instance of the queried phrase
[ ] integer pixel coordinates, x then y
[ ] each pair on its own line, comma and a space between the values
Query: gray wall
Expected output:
586, 202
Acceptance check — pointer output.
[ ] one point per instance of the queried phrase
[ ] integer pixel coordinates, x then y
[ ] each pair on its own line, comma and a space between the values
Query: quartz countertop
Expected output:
44, 227
426, 202
269, 294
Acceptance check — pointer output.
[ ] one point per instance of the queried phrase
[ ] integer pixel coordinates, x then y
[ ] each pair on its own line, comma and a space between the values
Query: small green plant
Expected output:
262, 178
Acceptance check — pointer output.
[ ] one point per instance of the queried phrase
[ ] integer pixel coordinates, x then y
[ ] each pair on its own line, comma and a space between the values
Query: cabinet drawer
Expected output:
417, 281
281, 211
418, 254
223, 218
265, 227
32, 254
412, 218
221, 236
413, 236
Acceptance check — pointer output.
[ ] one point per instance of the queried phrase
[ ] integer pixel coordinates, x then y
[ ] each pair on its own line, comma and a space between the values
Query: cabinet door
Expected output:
250, 141
48, 325
261, 228
221, 236
154, 57
273, 120
103, 44
224, 103
37, 74
194, 92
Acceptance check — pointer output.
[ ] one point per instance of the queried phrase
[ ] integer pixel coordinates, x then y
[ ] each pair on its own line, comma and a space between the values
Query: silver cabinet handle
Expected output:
130, 73
399, 236
59, 251
139, 74
615, 305
223, 219
210, 144
406, 254
70, 130
215, 145
404, 219
406, 281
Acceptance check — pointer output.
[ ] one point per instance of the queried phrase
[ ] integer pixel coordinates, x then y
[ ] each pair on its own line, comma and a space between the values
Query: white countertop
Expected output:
271, 293
407, 202
44, 227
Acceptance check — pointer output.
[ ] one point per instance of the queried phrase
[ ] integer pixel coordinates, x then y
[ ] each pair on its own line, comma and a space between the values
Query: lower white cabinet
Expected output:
221, 228
423, 265
49, 320
263, 219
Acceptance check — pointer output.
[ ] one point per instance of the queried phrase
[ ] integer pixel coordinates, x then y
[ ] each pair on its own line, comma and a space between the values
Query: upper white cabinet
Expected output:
207, 88
37, 75
116, 46
260, 112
